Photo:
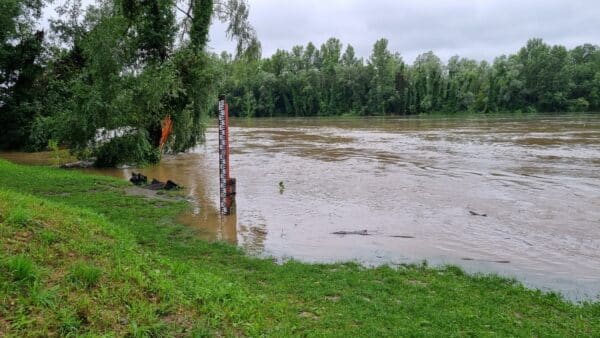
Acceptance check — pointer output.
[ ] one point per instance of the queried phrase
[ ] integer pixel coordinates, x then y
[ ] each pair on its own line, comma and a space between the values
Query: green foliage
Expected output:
156, 30
579, 105
132, 67
20, 53
128, 149
42, 131
202, 13
116, 64
56, 154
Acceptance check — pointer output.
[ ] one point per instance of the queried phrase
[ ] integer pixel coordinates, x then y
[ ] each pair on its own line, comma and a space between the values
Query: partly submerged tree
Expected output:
128, 65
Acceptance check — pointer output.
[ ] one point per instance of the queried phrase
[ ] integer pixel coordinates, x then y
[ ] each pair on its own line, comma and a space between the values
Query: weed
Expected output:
69, 322
22, 269
19, 216
43, 297
151, 330
20, 321
84, 275
54, 148
49, 237
201, 331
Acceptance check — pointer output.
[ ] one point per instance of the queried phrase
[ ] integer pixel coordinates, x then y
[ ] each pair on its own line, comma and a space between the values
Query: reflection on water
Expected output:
196, 173
40, 158
412, 184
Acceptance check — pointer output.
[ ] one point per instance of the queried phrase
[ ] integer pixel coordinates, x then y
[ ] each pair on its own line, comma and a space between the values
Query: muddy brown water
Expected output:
414, 184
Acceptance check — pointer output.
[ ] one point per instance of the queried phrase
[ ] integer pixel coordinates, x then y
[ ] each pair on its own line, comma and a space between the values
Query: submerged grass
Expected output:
81, 257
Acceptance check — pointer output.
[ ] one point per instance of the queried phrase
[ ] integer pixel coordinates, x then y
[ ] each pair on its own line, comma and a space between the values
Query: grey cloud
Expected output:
480, 29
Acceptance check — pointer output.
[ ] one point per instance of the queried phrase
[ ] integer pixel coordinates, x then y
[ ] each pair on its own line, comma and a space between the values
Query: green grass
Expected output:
84, 275
21, 268
81, 257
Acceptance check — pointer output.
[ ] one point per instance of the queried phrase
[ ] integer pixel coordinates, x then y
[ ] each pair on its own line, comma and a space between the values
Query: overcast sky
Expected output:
479, 29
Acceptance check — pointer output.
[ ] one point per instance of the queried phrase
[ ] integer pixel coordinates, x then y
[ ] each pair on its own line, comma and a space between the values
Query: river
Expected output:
414, 184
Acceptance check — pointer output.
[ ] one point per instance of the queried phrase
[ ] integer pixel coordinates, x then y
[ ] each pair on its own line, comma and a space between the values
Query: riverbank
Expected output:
81, 256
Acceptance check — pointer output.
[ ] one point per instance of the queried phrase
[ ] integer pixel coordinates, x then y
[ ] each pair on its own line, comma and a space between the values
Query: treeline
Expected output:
332, 80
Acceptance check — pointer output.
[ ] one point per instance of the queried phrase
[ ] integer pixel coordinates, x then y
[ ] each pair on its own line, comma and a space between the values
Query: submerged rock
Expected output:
158, 185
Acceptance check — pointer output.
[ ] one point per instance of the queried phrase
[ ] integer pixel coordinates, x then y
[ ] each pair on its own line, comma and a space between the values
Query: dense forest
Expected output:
130, 65
331, 80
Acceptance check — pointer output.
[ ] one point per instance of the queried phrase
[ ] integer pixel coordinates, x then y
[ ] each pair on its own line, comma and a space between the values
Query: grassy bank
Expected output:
79, 256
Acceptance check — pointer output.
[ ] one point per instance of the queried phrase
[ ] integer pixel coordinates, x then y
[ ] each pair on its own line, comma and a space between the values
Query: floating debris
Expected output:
259, 231
79, 164
502, 261
473, 213
281, 187
138, 179
358, 232
402, 236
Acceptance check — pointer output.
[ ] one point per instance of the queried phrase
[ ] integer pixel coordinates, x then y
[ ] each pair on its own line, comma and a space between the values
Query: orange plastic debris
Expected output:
167, 128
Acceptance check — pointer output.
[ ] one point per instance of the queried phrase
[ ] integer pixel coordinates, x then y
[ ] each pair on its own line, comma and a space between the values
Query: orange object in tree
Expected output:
167, 128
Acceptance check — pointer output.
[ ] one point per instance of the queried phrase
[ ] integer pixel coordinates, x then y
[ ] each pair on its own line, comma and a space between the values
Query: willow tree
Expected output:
143, 61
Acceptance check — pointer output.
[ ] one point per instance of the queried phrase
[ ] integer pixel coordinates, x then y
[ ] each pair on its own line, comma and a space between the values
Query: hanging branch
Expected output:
233, 12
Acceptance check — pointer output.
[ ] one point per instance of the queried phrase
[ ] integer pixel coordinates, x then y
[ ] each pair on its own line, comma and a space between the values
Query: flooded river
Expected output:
419, 186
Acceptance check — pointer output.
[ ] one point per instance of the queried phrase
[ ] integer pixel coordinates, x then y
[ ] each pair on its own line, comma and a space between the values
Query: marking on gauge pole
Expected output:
227, 184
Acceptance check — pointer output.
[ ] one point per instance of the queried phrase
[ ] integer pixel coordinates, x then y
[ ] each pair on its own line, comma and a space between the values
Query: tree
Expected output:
307, 81
140, 66
544, 75
584, 70
20, 53
383, 66
427, 83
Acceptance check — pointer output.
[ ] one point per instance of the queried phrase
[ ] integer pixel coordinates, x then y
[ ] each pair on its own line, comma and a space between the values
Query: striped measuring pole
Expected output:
226, 183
